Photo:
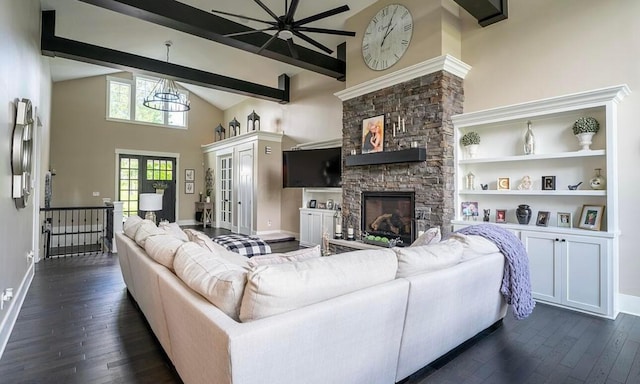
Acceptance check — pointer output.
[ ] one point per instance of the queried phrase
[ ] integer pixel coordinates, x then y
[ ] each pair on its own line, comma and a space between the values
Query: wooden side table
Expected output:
207, 213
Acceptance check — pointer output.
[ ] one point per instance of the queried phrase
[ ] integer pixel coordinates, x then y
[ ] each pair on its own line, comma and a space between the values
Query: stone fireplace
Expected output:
426, 103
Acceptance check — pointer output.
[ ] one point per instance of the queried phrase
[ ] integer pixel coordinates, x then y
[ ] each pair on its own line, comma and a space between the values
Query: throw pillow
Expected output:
163, 248
130, 226
216, 249
147, 228
425, 258
220, 282
174, 230
431, 236
278, 288
279, 258
474, 246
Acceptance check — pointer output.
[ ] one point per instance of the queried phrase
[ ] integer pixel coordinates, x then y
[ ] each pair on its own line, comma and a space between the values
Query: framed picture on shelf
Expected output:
543, 218
189, 175
564, 220
312, 203
548, 183
373, 134
503, 184
469, 209
591, 217
501, 215
189, 187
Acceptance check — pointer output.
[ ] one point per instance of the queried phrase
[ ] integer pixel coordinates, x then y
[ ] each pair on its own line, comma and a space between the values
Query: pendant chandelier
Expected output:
165, 95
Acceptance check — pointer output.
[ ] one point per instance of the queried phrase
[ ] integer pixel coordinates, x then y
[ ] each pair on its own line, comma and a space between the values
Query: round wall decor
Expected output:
21, 153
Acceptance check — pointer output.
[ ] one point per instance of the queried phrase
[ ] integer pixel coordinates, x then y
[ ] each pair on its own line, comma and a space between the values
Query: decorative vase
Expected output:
598, 181
208, 199
523, 214
584, 139
472, 150
529, 141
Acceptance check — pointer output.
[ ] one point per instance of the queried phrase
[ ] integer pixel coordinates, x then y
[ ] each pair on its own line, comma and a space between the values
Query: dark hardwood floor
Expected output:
77, 325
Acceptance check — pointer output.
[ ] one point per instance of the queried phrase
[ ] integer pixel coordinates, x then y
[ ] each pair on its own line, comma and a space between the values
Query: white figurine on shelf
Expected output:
525, 184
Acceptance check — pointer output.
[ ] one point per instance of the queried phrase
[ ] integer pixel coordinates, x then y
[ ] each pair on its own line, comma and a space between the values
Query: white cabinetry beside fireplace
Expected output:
571, 267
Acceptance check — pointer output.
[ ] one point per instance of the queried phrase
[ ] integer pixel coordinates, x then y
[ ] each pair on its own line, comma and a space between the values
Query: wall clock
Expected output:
21, 153
387, 37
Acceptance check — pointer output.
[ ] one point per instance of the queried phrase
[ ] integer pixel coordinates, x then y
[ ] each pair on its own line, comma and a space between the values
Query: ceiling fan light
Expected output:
286, 34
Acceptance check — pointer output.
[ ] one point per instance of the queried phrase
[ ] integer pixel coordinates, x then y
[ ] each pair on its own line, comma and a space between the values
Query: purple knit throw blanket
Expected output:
516, 282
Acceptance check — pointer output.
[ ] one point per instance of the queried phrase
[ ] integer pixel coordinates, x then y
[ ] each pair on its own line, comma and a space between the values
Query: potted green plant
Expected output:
584, 128
471, 141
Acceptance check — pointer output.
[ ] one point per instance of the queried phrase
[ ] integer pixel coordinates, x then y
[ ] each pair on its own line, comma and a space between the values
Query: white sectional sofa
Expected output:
381, 333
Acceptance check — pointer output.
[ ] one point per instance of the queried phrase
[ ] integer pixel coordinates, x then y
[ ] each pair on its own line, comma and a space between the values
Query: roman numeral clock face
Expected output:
387, 37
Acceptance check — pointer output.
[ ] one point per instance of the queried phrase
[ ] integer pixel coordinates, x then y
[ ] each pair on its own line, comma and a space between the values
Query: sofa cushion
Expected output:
425, 258
163, 248
430, 236
219, 281
130, 227
279, 258
205, 242
278, 288
146, 229
174, 230
474, 245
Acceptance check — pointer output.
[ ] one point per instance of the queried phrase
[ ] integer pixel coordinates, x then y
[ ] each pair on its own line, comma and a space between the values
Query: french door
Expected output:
225, 191
147, 174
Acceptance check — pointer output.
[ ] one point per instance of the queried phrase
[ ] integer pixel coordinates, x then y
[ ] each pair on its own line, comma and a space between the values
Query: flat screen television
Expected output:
312, 168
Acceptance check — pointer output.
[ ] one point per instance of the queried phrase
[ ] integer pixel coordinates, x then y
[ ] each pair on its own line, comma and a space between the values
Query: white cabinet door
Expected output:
310, 228
245, 191
573, 271
545, 265
586, 272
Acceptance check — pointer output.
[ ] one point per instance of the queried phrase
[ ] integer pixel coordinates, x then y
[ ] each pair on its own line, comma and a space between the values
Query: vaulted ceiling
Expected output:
139, 28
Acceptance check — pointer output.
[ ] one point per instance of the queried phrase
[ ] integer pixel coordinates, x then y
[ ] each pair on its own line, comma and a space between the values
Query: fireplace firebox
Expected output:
389, 214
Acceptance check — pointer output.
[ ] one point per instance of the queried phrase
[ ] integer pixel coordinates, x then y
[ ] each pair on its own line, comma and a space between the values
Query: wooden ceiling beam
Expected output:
182, 17
54, 46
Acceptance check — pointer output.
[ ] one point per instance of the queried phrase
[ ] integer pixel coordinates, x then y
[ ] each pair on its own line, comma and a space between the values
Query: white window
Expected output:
122, 106
119, 99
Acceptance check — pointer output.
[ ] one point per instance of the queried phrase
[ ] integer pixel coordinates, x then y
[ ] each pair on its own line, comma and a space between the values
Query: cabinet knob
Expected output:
563, 240
557, 239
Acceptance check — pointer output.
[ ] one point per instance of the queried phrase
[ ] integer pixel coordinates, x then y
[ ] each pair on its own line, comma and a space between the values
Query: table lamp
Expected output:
150, 202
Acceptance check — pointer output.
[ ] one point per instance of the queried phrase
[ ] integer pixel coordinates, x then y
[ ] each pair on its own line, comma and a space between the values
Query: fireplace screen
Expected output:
389, 214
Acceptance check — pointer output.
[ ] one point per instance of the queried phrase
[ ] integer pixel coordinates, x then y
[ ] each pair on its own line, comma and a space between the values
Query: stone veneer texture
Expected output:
427, 104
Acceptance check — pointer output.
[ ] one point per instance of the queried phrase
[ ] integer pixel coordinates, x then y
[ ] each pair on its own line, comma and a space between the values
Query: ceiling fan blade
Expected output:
312, 42
328, 31
244, 17
266, 9
291, 11
265, 45
322, 15
292, 49
250, 32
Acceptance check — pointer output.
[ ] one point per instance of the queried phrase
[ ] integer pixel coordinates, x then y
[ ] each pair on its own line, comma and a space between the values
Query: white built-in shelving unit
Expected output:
571, 267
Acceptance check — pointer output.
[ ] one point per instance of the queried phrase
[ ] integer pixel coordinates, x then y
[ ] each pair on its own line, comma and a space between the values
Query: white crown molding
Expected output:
337, 142
588, 99
242, 139
442, 63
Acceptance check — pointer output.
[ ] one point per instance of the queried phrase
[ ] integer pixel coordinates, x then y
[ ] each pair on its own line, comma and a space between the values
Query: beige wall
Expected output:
314, 114
83, 144
24, 73
548, 48
436, 32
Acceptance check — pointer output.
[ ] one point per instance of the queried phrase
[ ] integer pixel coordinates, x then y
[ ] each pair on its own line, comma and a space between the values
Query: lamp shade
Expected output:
150, 202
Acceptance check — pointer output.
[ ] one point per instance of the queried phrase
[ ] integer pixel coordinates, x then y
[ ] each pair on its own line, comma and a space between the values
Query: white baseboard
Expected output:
288, 233
629, 304
189, 222
13, 309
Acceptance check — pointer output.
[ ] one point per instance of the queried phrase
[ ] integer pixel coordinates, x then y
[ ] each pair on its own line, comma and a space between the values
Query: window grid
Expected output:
159, 170
122, 105
129, 188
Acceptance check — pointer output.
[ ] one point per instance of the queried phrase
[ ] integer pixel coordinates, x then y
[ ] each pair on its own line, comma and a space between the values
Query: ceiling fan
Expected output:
286, 26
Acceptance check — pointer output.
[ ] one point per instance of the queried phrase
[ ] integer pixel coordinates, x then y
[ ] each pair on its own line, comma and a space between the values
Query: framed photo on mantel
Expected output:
373, 134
